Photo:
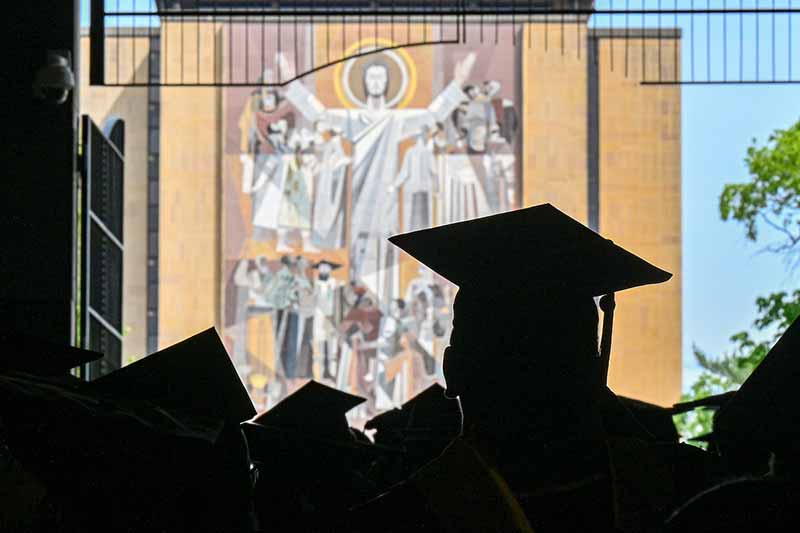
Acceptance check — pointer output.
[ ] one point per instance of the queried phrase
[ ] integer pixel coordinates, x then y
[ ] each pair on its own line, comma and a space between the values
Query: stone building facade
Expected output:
569, 122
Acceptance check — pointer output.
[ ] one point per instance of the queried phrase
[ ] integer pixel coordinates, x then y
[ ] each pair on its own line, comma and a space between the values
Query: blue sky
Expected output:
723, 273
128, 6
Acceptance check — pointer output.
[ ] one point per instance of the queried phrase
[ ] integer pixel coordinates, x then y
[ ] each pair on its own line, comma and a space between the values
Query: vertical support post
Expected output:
97, 43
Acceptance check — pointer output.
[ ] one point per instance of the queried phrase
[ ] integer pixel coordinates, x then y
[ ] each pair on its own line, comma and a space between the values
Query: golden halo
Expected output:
339, 70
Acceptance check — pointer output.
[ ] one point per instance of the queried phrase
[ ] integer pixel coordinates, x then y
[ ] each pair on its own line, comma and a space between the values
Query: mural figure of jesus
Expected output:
376, 132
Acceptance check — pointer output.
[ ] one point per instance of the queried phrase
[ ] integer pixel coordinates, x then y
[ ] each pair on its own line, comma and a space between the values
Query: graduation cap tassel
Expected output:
607, 305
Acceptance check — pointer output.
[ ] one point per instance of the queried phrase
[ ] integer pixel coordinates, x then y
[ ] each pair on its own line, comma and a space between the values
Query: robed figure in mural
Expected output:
375, 132
329, 194
419, 181
476, 164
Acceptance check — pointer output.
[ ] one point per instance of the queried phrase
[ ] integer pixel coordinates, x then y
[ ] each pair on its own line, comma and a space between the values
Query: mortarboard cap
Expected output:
32, 355
715, 401
428, 410
315, 410
544, 249
617, 419
705, 437
432, 409
765, 408
656, 420
392, 420
194, 375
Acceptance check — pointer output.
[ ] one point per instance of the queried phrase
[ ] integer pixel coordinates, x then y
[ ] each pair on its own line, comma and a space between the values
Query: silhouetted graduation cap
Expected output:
315, 410
656, 420
33, 355
195, 376
420, 430
617, 419
432, 408
313, 467
765, 408
705, 437
533, 248
429, 411
392, 420
714, 401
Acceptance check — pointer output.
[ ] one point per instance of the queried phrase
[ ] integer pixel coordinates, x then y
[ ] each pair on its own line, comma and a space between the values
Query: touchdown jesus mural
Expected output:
319, 173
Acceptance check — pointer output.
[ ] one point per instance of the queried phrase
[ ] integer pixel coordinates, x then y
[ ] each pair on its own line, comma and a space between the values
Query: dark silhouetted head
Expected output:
522, 361
523, 355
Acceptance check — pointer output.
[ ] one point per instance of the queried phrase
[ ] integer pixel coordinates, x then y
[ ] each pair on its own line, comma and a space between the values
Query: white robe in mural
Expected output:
499, 170
326, 309
271, 173
376, 136
329, 195
463, 195
298, 190
419, 180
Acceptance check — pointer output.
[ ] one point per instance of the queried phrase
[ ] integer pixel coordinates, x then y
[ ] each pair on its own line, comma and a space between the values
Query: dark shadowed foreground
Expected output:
527, 436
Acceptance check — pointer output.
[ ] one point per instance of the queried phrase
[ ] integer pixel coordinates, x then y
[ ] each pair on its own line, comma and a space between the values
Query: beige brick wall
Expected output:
554, 116
640, 208
130, 104
189, 232
640, 179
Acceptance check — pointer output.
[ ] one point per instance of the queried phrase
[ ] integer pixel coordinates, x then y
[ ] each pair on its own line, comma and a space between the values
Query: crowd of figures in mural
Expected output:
317, 290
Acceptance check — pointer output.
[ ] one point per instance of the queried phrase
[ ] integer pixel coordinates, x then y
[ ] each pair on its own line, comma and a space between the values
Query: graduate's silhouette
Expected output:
529, 437
545, 445
757, 434
154, 446
310, 465
421, 429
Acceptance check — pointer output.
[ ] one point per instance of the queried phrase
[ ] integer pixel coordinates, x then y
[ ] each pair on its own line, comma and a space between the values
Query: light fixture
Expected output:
55, 79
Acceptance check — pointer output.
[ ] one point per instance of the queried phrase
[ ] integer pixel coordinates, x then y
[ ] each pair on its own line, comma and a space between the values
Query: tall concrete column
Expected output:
39, 160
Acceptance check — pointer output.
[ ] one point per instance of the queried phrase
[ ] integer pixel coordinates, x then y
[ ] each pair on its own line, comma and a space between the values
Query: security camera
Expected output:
55, 79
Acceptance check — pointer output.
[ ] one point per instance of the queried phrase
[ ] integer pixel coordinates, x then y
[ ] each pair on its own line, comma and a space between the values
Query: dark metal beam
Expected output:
97, 43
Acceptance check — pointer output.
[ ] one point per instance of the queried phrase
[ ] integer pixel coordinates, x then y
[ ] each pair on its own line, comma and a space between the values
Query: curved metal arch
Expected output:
348, 58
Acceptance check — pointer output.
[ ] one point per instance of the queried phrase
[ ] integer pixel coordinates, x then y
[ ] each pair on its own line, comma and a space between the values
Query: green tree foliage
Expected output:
772, 195
728, 372
772, 198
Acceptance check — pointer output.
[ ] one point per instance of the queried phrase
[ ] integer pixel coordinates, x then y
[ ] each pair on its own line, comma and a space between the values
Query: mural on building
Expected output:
311, 192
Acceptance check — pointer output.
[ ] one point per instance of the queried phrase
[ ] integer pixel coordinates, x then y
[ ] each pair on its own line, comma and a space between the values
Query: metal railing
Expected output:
722, 41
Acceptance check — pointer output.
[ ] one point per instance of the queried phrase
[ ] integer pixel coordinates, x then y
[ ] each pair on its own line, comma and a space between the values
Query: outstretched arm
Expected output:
446, 102
298, 94
305, 101
449, 99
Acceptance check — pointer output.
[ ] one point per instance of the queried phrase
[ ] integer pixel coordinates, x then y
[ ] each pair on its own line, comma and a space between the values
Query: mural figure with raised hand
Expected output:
376, 131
